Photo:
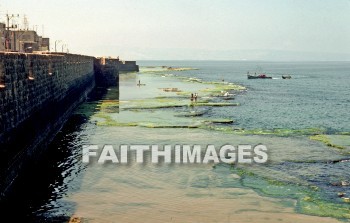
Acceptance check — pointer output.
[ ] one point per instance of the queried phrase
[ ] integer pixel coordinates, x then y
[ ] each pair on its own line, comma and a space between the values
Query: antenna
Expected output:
25, 23
43, 34
8, 27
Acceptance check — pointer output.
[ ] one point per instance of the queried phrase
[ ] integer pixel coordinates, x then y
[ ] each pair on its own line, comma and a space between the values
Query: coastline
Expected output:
172, 111
294, 198
290, 187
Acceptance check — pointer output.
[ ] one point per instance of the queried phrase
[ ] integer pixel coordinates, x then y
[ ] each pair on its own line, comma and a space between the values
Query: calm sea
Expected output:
316, 96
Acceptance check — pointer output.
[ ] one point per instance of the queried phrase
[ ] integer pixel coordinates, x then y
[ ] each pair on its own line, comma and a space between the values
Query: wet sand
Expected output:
178, 203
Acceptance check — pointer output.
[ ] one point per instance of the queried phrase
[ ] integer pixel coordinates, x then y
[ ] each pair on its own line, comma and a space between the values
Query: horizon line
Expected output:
235, 60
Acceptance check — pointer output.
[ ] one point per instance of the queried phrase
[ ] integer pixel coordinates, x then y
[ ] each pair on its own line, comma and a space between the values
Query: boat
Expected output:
227, 96
286, 77
260, 76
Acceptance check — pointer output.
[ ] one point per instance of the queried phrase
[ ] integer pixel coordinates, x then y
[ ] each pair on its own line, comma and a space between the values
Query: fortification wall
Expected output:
106, 71
38, 92
128, 66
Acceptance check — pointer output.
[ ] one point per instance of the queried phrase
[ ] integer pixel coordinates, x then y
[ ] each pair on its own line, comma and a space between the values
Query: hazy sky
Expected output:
193, 29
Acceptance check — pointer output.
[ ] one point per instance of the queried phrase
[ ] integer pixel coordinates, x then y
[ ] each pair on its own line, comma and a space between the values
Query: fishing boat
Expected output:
286, 77
260, 76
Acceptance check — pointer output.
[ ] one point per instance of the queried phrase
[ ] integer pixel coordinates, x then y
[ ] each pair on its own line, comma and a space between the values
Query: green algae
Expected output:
218, 85
211, 89
273, 132
147, 120
271, 187
341, 142
313, 206
156, 103
87, 109
163, 103
281, 132
216, 89
191, 114
155, 107
181, 68
154, 125
308, 197
215, 104
219, 121
192, 79
325, 139
219, 90
184, 93
116, 124
344, 133
106, 120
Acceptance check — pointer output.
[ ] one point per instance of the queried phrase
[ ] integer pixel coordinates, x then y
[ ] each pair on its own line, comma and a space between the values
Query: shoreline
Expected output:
274, 192
156, 111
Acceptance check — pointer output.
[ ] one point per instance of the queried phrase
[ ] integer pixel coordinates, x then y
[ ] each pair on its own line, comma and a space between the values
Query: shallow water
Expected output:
299, 182
316, 96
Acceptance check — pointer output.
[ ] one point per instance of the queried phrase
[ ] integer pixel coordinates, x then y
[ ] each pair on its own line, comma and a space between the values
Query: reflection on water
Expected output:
149, 192
49, 180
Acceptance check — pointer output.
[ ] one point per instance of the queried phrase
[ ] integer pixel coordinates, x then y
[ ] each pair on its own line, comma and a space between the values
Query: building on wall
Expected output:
23, 41
128, 66
45, 44
108, 61
2, 36
123, 66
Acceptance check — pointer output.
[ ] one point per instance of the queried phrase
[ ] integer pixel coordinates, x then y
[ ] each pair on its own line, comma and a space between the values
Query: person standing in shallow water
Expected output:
195, 96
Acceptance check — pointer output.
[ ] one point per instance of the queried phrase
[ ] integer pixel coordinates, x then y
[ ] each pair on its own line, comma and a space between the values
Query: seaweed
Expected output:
308, 197
326, 140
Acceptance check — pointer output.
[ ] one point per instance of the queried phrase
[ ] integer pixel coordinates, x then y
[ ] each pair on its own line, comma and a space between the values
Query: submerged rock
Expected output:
346, 199
345, 183
341, 183
341, 194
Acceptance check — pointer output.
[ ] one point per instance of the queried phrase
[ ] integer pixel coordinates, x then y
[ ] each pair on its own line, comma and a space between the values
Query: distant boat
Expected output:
286, 77
260, 76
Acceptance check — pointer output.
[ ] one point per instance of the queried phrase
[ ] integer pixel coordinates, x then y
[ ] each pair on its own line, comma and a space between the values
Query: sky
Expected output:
279, 30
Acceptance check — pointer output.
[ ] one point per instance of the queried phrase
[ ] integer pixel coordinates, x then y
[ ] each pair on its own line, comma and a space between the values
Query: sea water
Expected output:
317, 95
302, 176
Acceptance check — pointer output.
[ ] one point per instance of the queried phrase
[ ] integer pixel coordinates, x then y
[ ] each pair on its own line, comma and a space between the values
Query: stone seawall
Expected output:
128, 66
106, 72
38, 92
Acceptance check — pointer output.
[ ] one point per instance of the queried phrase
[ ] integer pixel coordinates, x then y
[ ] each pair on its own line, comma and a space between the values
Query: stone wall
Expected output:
106, 71
38, 92
128, 66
